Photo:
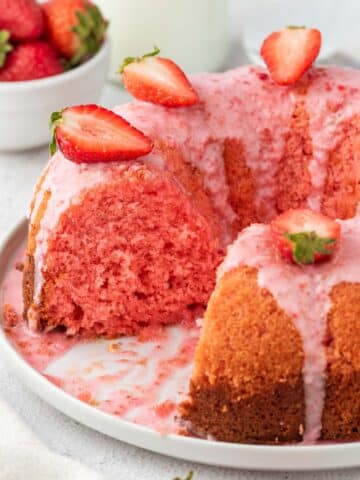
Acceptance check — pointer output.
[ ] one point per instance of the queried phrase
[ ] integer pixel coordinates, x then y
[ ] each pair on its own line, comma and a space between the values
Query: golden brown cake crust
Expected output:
341, 417
28, 283
271, 417
38, 188
248, 367
29, 265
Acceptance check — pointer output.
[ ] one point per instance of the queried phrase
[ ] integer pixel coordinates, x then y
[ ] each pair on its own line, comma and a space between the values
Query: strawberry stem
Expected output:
5, 46
55, 120
189, 477
307, 244
90, 29
129, 60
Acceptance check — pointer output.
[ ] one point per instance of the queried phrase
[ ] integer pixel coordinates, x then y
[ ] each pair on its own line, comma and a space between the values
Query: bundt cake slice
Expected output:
115, 248
278, 356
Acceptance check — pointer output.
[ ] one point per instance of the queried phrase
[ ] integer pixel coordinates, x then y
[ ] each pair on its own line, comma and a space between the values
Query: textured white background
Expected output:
18, 173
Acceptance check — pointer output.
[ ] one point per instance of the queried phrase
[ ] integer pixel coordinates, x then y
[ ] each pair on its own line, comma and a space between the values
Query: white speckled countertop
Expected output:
18, 173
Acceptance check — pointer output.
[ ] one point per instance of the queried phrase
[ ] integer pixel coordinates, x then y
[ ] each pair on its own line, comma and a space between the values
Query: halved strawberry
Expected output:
157, 80
290, 52
92, 134
304, 236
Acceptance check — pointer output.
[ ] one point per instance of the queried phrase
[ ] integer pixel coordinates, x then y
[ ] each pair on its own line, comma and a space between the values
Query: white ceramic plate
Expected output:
255, 457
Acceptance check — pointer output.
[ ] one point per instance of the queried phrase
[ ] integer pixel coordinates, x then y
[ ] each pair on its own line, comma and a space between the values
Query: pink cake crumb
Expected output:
164, 409
11, 318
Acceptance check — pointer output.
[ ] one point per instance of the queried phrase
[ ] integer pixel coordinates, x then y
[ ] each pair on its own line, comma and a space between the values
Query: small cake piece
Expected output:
278, 359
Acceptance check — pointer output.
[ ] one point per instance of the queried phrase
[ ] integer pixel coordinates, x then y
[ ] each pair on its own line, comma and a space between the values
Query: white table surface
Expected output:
18, 173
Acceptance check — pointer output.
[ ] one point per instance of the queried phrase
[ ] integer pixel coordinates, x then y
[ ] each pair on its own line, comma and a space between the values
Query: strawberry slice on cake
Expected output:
290, 52
157, 80
92, 134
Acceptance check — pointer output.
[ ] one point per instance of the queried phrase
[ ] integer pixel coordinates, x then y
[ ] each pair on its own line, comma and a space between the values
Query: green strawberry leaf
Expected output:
90, 29
5, 46
55, 120
129, 60
189, 477
307, 244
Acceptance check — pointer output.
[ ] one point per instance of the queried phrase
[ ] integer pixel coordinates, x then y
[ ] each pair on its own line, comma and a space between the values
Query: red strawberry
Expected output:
91, 134
157, 80
30, 61
290, 52
304, 236
75, 27
22, 18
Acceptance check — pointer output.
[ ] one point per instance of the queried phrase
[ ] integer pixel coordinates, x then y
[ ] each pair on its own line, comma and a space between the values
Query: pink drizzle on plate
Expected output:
138, 379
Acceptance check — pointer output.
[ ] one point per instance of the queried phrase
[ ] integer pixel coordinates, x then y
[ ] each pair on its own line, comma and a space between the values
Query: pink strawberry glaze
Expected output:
65, 180
231, 104
303, 293
243, 104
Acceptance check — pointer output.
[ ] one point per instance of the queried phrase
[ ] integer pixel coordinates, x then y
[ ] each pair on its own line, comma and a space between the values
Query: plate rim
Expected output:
209, 452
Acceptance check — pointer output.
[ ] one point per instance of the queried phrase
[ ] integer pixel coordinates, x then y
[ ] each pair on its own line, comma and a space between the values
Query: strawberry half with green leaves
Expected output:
157, 80
304, 236
75, 27
290, 52
23, 19
5, 46
93, 134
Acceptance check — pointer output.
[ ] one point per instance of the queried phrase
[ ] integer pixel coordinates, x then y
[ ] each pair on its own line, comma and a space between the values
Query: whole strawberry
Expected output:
23, 19
304, 236
75, 27
29, 61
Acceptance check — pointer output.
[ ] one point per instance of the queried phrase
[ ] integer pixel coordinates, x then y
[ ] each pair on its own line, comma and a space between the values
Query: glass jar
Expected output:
194, 33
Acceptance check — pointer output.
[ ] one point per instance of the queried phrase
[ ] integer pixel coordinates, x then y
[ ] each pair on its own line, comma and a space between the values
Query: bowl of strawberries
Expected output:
52, 54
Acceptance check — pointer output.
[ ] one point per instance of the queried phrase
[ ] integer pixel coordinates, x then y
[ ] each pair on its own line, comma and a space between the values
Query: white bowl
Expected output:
25, 107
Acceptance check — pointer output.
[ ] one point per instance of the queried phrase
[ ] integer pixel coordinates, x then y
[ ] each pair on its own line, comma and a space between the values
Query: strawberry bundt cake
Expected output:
116, 247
